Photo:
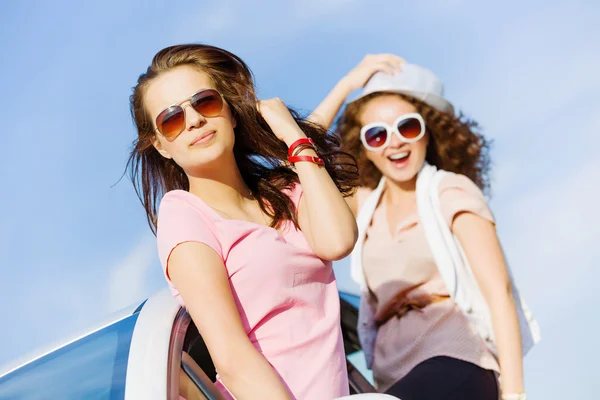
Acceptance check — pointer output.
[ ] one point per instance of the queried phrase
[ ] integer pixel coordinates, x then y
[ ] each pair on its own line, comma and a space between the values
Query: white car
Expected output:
149, 352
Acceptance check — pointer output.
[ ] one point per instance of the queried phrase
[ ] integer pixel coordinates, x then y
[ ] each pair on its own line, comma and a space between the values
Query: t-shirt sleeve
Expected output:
459, 194
180, 221
295, 193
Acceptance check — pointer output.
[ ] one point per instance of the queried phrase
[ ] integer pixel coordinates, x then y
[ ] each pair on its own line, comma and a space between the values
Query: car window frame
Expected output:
357, 381
178, 363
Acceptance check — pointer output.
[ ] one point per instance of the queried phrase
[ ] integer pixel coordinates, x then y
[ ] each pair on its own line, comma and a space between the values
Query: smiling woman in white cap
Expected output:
440, 317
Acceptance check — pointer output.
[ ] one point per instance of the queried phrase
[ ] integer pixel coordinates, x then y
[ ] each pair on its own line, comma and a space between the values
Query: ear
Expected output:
158, 146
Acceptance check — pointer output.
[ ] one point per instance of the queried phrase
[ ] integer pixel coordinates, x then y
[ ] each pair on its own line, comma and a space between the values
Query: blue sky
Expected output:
76, 246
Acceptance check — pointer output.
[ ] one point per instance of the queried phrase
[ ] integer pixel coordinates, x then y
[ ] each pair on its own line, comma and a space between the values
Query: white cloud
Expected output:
206, 23
129, 278
550, 234
315, 10
258, 27
537, 69
62, 305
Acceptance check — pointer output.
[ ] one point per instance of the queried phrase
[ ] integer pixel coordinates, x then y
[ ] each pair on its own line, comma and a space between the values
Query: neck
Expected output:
399, 192
220, 184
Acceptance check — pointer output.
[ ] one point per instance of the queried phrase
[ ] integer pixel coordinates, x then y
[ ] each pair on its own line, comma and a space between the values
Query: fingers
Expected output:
385, 62
270, 104
394, 60
273, 102
386, 67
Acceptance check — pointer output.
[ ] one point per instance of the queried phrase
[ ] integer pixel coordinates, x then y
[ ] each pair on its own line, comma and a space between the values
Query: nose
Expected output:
193, 119
395, 141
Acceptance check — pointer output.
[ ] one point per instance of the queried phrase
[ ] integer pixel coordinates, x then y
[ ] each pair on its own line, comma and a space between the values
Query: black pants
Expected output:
446, 378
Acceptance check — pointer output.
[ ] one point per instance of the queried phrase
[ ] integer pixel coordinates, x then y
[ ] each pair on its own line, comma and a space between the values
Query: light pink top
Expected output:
287, 296
396, 261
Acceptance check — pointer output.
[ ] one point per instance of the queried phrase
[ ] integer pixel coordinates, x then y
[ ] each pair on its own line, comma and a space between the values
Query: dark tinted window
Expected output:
353, 299
91, 368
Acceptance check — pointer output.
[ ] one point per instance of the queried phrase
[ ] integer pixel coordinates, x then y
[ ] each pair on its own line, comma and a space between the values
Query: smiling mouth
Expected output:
399, 157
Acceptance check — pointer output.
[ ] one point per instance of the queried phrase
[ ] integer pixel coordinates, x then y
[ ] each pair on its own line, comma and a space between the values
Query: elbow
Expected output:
338, 249
225, 366
505, 290
230, 368
500, 294
332, 254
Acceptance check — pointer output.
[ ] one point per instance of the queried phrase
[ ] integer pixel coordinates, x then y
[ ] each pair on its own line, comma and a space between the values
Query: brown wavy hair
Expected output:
260, 156
455, 143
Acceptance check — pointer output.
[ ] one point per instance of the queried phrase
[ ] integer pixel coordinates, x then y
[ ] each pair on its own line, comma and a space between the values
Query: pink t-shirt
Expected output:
286, 296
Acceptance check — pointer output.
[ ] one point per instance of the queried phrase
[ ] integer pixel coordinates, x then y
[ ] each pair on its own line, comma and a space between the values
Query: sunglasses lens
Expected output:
410, 128
208, 103
376, 136
171, 122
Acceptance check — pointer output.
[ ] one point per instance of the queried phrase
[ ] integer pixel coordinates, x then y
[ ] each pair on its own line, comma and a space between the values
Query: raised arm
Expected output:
323, 215
201, 278
325, 112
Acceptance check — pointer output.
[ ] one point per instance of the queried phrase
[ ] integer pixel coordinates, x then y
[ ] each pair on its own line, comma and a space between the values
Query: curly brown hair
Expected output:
259, 155
455, 143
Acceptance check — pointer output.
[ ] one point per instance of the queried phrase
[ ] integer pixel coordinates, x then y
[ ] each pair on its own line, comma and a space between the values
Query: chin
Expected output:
206, 157
401, 176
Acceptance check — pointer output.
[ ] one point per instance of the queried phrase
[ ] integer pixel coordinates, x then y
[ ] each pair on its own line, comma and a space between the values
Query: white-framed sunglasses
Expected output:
409, 128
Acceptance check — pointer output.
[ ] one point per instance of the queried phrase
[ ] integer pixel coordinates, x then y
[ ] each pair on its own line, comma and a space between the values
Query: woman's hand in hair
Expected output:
372, 63
281, 121
355, 79
323, 215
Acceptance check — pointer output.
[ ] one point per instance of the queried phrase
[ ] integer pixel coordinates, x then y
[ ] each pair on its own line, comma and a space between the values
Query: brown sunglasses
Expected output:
171, 121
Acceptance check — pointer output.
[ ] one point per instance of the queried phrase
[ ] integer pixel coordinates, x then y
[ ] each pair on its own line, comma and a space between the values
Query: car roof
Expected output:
105, 322
36, 354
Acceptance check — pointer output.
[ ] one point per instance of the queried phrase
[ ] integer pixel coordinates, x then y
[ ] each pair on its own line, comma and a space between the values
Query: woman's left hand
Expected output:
279, 118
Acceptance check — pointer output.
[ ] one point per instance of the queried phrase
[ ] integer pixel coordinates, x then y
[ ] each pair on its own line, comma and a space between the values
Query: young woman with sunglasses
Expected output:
419, 340
251, 215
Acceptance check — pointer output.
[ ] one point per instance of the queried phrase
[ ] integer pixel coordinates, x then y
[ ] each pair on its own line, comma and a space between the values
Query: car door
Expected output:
192, 371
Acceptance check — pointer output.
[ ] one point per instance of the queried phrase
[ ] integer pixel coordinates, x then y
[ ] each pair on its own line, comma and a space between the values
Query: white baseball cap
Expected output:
413, 80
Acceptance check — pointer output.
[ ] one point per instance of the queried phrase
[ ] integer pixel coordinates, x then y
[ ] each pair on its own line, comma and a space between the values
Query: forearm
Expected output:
508, 339
355, 79
331, 224
248, 375
325, 112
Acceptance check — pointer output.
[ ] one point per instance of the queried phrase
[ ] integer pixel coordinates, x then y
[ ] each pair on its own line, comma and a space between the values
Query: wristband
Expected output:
514, 396
302, 141
312, 159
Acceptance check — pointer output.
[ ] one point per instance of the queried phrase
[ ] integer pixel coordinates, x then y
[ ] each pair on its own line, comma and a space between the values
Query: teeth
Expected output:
399, 155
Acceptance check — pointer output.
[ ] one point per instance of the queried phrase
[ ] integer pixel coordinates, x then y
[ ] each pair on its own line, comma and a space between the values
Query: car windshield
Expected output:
93, 367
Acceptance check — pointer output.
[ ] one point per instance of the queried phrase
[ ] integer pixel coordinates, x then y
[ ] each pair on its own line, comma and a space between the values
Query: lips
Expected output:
399, 156
203, 138
399, 160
